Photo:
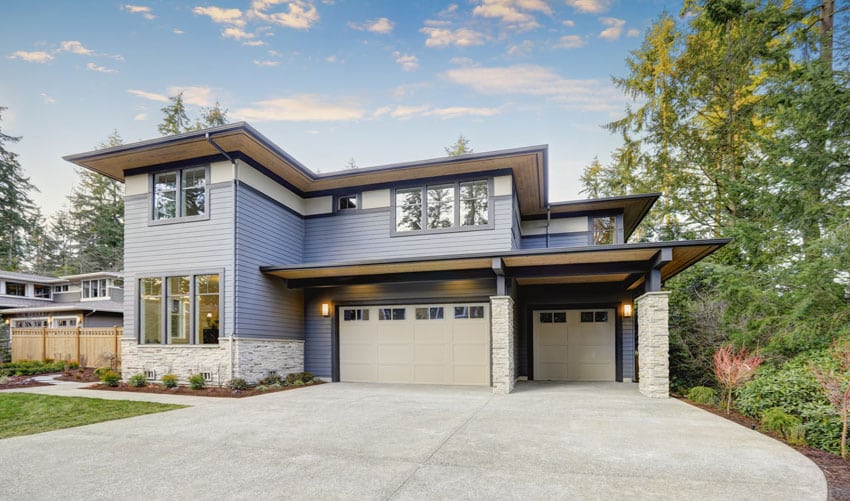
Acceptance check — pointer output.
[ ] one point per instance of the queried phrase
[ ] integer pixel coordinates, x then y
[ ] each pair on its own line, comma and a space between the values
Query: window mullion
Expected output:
192, 322
457, 203
163, 329
424, 196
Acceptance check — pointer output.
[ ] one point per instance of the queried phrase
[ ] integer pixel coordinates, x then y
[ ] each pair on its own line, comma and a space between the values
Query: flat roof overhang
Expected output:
623, 266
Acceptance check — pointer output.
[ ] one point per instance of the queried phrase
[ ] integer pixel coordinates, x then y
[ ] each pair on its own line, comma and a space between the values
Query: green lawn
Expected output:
26, 413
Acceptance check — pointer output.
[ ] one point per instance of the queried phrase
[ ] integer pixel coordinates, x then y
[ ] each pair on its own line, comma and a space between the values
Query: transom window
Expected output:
432, 313
346, 202
441, 206
29, 323
391, 314
180, 193
469, 312
64, 321
355, 314
179, 309
594, 316
16, 289
553, 317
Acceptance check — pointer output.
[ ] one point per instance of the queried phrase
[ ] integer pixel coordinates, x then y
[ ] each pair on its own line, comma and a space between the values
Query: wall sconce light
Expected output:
8, 321
627, 310
326, 309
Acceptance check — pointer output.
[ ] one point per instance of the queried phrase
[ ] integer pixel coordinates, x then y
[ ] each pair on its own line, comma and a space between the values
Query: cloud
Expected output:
614, 29
632, 33
266, 63
570, 42
521, 49
221, 16
299, 14
402, 112
381, 25
47, 99
590, 6
300, 108
37, 56
513, 13
330, 59
254, 43
74, 47
99, 69
236, 34
406, 61
200, 96
537, 81
140, 9
178, 31
274, 53
148, 95
461, 37
569, 22
140, 117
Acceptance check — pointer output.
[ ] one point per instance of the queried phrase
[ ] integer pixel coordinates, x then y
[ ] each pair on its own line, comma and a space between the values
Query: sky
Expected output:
327, 80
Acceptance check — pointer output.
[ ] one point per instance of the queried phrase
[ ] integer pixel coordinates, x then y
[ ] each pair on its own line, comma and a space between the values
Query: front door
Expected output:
574, 345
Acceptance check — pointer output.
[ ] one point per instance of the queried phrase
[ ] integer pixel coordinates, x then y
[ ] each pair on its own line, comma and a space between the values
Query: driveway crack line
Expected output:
442, 444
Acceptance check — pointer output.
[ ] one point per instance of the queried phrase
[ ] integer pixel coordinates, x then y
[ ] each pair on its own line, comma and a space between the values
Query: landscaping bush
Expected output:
101, 371
138, 380
703, 395
788, 426
237, 384
110, 378
197, 381
31, 367
299, 378
270, 379
169, 381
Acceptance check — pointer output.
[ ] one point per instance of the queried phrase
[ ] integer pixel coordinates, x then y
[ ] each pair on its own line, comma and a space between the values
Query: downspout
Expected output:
234, 176
548, 222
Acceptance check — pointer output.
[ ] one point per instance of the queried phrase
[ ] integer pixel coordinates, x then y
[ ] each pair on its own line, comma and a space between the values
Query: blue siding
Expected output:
516, 227
555, 240
181, 247
266, 233
366, 235
318, 354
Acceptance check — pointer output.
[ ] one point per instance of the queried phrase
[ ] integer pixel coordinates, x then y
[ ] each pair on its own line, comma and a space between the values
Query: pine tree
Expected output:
460, 147
175, 120
17, 210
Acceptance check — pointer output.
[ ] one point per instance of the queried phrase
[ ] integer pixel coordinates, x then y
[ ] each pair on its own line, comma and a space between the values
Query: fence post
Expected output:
43, 343
115, 337
77, 343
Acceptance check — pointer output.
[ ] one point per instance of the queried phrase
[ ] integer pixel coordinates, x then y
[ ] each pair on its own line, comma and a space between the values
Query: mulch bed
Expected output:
83, 375
21, 382
210, 391
835, 469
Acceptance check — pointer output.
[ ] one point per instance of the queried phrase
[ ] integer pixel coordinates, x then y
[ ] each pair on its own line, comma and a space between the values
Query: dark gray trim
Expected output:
423, 276
347, 212
358, 196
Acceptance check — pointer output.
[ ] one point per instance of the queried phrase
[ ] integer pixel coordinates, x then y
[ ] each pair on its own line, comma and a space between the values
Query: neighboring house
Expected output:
88, 300
240, 261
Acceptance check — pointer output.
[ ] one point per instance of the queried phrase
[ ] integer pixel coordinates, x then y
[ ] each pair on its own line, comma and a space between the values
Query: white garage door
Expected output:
574, 345
425, 344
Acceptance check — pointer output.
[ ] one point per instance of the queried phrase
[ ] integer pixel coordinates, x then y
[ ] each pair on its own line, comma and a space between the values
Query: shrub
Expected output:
703, 395
31, 367
261, 387
299, 378
74, 365
237, 384
197, 381
4, 379
169, 381
138, 380
784, 424
734, 369
101, 371
110, 378
270, 379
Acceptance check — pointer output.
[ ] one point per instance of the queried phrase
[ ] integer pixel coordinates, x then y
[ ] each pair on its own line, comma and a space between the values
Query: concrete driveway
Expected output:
574, 441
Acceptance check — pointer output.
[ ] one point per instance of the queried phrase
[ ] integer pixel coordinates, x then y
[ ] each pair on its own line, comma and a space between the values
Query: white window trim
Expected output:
75, 318
106, 294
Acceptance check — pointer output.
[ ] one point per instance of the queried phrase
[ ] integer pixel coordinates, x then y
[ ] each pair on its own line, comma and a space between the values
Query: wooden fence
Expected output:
91, 347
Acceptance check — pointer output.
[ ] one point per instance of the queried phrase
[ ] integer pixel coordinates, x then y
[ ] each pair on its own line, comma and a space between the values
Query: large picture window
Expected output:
442, 206
179, 310
181, 193
95, 289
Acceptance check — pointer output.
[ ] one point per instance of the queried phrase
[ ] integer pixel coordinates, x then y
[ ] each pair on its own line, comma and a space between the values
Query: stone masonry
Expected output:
251, 359
653, 344
502, 328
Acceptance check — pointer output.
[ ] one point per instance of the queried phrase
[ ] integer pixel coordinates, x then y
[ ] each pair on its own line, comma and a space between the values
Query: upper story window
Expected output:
346, 202
95, 289
440, 206
604, 230
41, 291
16, 289
60, 288
180, 193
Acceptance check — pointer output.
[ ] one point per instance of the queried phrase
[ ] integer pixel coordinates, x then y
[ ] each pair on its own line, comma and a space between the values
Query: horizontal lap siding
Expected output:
556, 240
367, 235
318, 356
152, 250
102, 320
267, 234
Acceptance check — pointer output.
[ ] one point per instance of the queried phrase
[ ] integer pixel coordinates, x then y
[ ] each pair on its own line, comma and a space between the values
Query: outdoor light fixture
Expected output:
326, 310
627, 310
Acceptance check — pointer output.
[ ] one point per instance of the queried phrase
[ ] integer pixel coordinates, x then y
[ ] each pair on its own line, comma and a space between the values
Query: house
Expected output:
87, 300
240, 261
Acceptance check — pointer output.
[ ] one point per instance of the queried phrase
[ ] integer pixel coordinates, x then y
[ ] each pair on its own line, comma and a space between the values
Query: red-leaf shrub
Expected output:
734, 369
836, 385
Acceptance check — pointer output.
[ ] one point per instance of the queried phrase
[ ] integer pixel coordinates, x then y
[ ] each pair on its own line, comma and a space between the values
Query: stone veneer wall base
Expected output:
654, 344
502, 328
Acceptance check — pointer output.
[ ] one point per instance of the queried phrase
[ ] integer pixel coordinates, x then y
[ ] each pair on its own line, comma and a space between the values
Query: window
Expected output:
442, 206
432, 313
594, 316
351, 315
60, 288
64, 321
16, 289
604, 230
190, 314
181, 193
346, 202
469, 312
391, 314
553, 317
29, 323
42, 291
95, 289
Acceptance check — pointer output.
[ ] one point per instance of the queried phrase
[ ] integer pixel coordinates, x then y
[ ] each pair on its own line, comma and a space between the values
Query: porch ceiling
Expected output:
624, 266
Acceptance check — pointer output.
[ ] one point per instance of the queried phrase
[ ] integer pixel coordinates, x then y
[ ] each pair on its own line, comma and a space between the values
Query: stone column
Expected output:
653, 344
502, 328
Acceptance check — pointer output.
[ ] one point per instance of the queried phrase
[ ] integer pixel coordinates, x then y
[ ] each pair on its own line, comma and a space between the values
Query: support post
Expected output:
502, 327
115, 337
654, 344
43, 343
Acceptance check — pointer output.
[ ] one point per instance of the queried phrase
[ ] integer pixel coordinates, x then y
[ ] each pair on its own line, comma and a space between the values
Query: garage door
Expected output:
574, 345
425, 344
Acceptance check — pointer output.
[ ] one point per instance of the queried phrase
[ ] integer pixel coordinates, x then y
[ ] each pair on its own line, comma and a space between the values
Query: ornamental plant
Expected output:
734, 369
169, 380
197, 381
836, 386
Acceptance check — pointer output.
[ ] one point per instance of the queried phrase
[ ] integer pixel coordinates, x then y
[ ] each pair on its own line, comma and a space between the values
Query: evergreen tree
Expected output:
175, 120
460, 147
17, 210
